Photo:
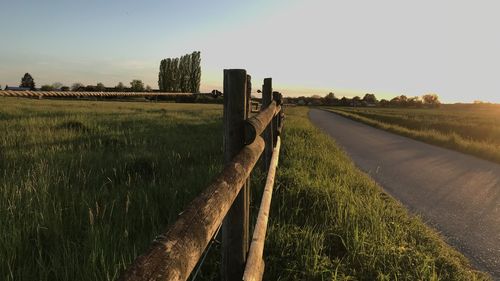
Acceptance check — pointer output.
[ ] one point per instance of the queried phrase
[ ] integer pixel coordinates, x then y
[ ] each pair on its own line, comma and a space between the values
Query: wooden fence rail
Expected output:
68, 94
174, 254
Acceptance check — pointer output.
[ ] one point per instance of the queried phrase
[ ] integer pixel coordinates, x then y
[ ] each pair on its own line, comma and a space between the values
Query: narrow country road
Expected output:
457, 194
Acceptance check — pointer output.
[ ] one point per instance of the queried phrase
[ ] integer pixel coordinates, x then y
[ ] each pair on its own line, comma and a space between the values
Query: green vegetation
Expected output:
85, 187
473, 129
342, 226
27, 82
180, 75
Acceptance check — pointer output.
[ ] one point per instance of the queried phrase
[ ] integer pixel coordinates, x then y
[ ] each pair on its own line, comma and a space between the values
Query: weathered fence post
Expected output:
267, 90
235, 228
275, 122
248, 189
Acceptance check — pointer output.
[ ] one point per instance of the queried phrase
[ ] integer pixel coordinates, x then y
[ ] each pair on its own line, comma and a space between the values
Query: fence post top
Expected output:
277, 96
235, 70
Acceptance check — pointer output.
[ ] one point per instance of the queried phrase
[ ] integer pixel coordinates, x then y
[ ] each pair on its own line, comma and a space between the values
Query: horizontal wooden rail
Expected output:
174, 254
91, 94
255, 125
255, 265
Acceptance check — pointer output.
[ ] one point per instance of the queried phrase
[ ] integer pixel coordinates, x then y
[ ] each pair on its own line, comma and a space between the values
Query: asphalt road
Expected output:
457, 194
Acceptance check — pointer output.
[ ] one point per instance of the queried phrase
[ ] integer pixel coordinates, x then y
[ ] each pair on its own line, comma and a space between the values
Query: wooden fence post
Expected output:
235, 228
267, 90
277, 99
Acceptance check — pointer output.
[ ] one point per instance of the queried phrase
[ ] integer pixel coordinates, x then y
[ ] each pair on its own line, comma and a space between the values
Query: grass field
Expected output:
85, 186
470, 129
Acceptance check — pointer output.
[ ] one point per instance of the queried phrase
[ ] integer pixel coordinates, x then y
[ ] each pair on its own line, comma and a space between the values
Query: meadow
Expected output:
471, 129
85, 186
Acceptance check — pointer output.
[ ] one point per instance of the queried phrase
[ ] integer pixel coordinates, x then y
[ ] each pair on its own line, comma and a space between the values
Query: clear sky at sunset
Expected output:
386, 47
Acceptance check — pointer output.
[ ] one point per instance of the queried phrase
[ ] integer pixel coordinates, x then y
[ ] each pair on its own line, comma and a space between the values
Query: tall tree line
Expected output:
180, 75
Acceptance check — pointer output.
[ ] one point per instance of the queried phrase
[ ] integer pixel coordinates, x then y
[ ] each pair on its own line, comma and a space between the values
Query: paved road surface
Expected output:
457, 194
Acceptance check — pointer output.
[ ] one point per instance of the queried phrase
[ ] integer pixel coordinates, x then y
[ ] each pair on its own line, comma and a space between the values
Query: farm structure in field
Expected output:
225, 204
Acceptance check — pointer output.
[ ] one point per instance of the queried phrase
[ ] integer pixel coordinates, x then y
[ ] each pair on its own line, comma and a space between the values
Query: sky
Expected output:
385, 47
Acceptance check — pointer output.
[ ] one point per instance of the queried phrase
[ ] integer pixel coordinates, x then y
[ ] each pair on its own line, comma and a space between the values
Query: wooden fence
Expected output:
225, 202
68, 94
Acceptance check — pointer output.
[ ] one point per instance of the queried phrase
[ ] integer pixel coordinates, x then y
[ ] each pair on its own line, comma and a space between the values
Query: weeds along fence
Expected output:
225, 203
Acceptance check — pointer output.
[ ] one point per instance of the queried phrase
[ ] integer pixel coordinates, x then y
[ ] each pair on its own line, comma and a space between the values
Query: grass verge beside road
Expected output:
476, 133
330, 221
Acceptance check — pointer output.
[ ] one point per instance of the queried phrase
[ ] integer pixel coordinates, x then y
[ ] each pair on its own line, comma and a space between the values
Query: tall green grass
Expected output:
473, 132
330, 221
86, 186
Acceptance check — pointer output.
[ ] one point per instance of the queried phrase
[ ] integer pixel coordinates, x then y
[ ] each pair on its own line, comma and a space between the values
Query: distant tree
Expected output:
414, 102
384, 102
431, 100
176, 76
27, 82
180, 74
77, 86
47, 88
100, 87
356, 101
57, 85
330, 96
345, 101
64, 88
120, 87
90, 88
370, 98
184, 73
164, 76
400, 101
330, 99
195, 76
148, 88
137, 86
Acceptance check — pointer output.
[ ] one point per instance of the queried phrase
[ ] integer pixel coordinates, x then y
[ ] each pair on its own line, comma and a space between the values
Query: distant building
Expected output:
7, 88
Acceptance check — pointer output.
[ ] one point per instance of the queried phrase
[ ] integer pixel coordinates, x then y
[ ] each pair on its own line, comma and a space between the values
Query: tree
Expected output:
399, 101
27, 82
414, 102
180, 74
330, 99
100, 87
185, 73
148, 88
57, 85
120, 87
330, 96
76, 86
384, 102
356, 101
137, 85
370, 98
47, 88
345, 101
64, 88
431, 100
195, 76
